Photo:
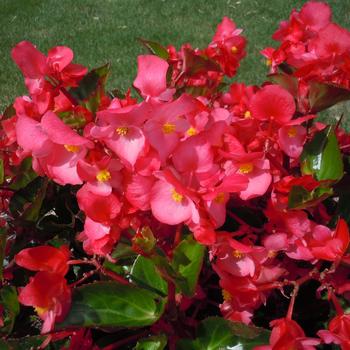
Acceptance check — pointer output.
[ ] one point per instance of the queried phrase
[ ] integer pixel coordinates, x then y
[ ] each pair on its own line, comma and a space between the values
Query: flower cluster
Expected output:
246, 171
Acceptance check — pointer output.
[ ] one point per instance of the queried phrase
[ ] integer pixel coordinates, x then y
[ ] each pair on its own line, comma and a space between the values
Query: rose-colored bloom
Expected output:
287, 334
49, 294
338, 332
273, 103
44, 258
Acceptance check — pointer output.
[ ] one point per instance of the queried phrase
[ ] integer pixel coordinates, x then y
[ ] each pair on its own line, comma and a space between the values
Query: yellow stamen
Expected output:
122, 131
191, 131
177, 197
237, 254
72, 148
271, 253
246, 168
226, 295
103, 175
168, 128
247, 114
220, 198
268, 62
40, 310
292, 132
234, 49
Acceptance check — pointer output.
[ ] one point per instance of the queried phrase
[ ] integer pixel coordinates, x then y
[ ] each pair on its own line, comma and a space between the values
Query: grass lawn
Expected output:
106, 30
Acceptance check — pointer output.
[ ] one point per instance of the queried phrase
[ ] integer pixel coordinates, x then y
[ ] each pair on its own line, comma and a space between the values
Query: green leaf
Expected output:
300, 198
110, 304
287, 81
26, 203
187, 261
152, 343
216, 333
155, 48
91, 87
323, 96
24, 175
322, 158
8, 299
24, 343
145, 274
195, 64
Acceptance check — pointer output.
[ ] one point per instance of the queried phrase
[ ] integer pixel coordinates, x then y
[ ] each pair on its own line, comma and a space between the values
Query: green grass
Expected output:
107, 30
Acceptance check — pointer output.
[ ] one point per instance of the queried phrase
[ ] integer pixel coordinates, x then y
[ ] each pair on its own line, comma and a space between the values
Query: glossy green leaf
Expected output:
322, 158
145, 274
24, 174
287, 81
91, 87
155, 48
187, 261
323, 96
300, 198
215, 333
195, 64
26, 203
110, 304
8, 299
152, 343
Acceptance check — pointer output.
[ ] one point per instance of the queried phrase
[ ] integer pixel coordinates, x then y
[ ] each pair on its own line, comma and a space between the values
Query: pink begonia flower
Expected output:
338, 331
151, 77
98, 208
330, 245
291, 139
171, 202
101, 176
167, 123
120, 129
193, 155
226, 29
38, 69
331, 40
138, 191
272, 103
315, 15
56, 148
255, 168
35, 65
287, 334
98, 238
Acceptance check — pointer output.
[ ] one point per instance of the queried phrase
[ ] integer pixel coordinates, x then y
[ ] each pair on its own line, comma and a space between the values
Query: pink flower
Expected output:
151, 76
98, 238
98, 208
55, 145
273, 103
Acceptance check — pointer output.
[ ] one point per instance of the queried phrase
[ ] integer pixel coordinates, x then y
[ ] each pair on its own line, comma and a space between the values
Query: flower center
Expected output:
191, 131
176, 196
40, 310
237, 254
220, 198
247, 114
269, 62
72, 148
226, 295
168, 128
271, 254
246, 168
292, 132
122, 131
103, 175
234, 49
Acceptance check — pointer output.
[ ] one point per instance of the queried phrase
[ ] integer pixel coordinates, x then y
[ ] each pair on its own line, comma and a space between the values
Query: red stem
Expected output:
127, 340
